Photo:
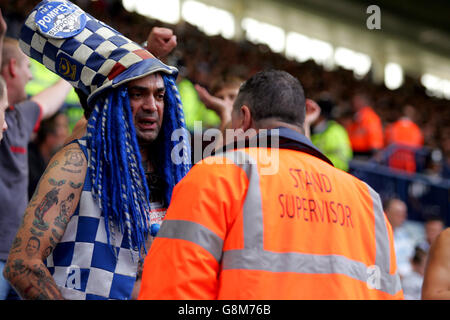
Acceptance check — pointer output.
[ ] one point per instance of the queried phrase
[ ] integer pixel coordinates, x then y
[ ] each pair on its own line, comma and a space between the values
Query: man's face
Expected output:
397, 213
228, 94
32, 247
147, 105
24, 75
3, 106
432, 230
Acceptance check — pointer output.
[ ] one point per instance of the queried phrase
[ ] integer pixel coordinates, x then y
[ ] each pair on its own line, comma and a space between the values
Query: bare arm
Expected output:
44, 223
436, 284
52, 98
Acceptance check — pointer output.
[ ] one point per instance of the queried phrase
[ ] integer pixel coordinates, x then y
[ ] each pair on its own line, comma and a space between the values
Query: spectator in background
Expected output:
434, 225
365, 131
194, 108
217, 55
446, 153
434, 165
3, 106
3, 90
23, 118
396, 212
50, 138
412, 282
223, 93
330, 137
405, 136
226, 89
405, 131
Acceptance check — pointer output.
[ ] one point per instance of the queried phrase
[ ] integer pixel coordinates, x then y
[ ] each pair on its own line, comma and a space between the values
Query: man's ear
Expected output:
12, 67
246, 118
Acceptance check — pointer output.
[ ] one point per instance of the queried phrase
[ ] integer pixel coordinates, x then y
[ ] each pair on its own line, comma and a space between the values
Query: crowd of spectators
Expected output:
201, 59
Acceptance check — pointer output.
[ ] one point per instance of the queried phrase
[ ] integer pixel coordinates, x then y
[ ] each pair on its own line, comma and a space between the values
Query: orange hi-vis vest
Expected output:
406, 136
366, 131
404, 132
287, 226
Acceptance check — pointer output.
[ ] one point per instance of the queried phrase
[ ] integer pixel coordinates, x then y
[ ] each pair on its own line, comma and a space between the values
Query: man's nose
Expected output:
149, 104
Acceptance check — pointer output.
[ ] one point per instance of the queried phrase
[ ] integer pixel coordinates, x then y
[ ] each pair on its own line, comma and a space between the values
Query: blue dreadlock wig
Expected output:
117, 176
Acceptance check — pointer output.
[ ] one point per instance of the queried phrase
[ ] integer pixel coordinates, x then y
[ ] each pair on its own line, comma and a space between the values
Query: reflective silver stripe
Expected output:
193, 232
247, 259
252, 210
390, 283
383, 252
382, 246
293, 262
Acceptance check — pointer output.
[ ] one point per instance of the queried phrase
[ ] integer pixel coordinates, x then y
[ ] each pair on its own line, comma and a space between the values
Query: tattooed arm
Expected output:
44, 223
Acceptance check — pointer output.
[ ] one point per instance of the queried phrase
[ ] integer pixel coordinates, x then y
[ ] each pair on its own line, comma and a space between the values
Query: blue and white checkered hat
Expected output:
83, 50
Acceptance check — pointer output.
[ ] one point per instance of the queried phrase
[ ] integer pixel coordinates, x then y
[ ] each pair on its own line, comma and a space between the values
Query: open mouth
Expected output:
147, 124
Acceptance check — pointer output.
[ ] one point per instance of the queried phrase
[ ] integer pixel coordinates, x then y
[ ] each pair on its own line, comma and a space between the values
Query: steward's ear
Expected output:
246, 116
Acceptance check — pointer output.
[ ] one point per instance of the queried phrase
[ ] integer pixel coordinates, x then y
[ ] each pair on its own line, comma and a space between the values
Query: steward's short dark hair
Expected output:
273, 94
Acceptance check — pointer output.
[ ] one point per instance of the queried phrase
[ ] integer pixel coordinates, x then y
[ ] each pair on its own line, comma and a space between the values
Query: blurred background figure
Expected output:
3, 106
50, 138
405, 131
446, 153
330, 137
194, 108
412, 282
434, 225
404, 137
365, 131
220, 99
396, 212
3, 88
434, 165
225, 88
